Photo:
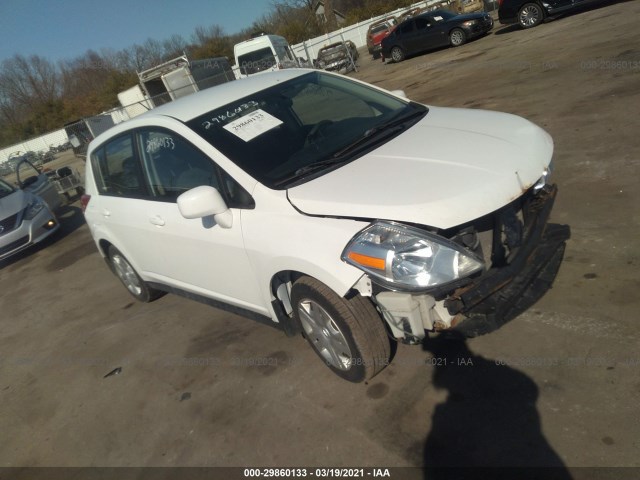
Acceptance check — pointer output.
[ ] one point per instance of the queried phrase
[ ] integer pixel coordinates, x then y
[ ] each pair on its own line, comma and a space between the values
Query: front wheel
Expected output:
530, 15
397, 55
130, 278
457, 37
347, 334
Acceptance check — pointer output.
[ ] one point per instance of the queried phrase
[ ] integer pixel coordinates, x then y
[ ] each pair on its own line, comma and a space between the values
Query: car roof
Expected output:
199, 103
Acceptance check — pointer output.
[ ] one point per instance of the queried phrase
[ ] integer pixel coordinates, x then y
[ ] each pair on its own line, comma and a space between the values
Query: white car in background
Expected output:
331, 207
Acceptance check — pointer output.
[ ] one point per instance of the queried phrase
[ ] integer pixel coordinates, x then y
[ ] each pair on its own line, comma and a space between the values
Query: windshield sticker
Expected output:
155, 144
437, 19
252, 125
224, 117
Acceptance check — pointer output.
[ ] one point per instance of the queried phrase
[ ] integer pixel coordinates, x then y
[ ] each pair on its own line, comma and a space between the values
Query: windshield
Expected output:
5, 189
256, 61
331, 49
379, 28
276, 132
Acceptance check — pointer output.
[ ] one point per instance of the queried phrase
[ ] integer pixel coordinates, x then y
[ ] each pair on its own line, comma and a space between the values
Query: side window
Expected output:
407, 27
422, 23
116, 169
173, 165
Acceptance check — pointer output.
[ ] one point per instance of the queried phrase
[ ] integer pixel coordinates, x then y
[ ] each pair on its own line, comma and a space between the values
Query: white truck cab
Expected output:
265, 53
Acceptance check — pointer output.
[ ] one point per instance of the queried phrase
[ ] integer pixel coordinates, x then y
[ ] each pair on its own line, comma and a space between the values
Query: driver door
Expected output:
195, 255
31, 180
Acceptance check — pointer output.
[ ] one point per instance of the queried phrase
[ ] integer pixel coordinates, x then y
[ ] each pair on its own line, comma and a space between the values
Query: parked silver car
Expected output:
25, 219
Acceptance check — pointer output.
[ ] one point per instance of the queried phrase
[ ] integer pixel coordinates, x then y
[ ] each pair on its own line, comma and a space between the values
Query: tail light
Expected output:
84, 201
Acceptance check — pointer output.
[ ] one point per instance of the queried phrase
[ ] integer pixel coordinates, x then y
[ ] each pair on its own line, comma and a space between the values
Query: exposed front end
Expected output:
487, 272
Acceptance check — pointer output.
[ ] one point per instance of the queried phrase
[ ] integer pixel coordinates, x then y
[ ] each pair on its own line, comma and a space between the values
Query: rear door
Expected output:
30, 179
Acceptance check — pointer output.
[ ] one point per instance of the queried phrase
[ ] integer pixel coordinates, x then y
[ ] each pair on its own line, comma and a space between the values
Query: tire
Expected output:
347, 334
375, 55
530, 15
137, 287
457, 37
397, 55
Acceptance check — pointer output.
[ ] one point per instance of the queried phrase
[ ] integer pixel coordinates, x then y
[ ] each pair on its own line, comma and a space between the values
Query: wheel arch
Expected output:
280, 290
103, 248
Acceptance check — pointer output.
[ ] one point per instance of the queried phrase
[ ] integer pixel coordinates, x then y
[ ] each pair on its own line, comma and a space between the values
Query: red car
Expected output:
376, 32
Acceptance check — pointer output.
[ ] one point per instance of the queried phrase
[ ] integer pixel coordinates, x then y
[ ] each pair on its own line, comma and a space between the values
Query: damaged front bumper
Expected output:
502, 294
512, 285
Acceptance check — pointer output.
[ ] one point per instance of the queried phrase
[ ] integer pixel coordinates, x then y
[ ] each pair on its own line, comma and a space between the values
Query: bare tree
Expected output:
174, 46
26, 81
330, 15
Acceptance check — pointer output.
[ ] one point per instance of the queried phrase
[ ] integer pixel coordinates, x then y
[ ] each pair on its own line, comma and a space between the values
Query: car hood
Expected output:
14, 203
453, 166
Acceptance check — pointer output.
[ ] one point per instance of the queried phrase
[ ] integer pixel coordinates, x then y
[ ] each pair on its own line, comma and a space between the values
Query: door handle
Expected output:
157, 220
106, 213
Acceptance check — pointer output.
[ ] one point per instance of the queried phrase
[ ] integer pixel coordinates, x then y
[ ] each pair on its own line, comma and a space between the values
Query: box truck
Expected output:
180, 77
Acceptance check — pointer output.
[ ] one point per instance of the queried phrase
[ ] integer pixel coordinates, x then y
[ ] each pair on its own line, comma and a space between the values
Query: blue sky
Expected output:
65, 29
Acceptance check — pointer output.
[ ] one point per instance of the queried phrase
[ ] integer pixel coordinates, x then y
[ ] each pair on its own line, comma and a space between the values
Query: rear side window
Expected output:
117, 170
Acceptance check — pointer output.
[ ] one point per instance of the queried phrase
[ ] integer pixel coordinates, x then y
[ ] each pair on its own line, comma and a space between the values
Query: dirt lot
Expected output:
201, 387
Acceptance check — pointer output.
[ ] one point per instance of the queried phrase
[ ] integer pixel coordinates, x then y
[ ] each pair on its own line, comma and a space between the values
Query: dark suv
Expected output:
529, 13
338, 56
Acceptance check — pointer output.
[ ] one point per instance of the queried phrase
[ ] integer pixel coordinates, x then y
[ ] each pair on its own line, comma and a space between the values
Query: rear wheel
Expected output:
347, 334
530, 15
457, 37
130, 278
397, 55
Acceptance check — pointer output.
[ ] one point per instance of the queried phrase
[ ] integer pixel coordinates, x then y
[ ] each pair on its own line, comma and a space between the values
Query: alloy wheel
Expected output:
127, 274
325, 335
530, 16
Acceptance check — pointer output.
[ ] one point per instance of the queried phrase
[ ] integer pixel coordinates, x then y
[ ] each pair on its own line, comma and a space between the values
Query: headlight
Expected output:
405, 257
33, 209
544, 179
470, 23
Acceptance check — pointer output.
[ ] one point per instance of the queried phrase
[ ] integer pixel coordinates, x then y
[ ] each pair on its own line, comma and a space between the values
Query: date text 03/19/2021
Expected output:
316, 472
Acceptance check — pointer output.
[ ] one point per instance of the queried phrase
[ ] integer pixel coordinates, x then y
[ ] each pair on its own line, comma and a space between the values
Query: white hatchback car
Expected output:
329, 207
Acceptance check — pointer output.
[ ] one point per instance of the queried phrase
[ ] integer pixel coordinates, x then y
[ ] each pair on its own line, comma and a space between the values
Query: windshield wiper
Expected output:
373, 135
321, 165
388, 128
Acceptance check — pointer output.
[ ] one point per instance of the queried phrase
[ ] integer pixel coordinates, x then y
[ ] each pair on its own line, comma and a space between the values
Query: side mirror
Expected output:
204, 201
399, 93
28, 181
